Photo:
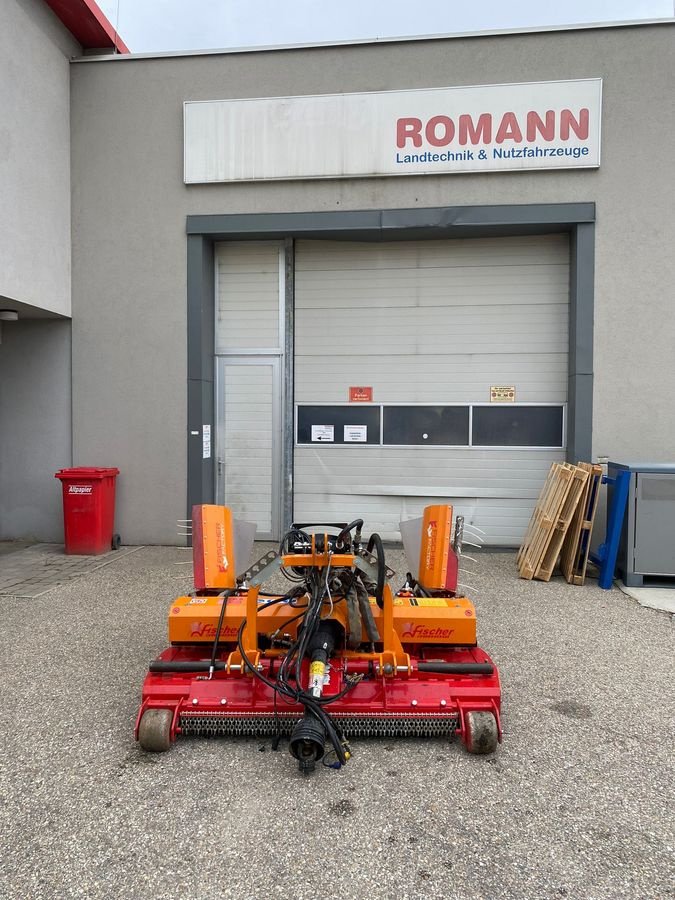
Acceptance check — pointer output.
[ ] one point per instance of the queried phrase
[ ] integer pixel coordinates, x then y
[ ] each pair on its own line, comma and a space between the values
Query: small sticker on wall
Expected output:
357, 434
503, 393
361, 394
206, 441
323, 433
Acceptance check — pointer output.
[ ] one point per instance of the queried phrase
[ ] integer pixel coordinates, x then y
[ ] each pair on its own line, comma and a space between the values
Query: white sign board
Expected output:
487, 128
323, 433
206, 442
355, 434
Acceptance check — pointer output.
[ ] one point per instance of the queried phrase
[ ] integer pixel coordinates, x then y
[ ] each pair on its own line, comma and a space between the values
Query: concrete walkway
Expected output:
577, 803
32, 570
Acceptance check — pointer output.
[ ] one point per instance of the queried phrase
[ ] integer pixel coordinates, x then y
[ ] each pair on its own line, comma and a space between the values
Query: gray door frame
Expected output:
577, 219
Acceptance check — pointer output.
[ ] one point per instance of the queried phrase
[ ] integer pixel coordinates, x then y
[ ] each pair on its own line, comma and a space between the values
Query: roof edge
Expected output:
85, 20
264, 48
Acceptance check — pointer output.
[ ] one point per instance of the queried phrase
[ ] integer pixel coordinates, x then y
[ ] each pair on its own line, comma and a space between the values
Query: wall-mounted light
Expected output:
7, 315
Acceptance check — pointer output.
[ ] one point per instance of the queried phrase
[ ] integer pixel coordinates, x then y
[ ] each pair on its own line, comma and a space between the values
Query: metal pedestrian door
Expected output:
248, 474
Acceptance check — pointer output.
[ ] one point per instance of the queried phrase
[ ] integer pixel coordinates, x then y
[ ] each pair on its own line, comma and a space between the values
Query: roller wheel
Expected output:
481, 732
154, 731
116, 542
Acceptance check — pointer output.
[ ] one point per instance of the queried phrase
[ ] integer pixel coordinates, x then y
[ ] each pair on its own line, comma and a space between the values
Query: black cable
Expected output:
311, 704
376, 541
287, 622
225, 595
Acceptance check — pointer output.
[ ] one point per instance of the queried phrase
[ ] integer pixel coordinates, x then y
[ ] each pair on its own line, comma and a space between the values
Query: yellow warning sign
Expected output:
502, 393
431, 601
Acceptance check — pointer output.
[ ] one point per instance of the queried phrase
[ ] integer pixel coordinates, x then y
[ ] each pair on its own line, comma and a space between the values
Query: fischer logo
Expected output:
203, 629
223, 564
554, 127
80, 489
423, 631
430, 557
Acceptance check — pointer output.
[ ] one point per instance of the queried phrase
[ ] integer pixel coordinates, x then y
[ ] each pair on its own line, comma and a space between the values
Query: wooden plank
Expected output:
536, 513
573, 536
577, 544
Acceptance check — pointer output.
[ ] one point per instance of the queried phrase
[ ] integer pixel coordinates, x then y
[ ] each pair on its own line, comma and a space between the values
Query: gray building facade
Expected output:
149, 254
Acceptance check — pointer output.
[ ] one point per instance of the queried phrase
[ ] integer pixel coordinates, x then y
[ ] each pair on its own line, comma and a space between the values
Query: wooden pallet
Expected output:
552, 554
550, 520
577, 543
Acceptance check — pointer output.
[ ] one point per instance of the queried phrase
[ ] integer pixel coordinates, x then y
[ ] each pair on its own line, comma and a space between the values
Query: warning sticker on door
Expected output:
324, 433
356, 434
360, 395
502, 393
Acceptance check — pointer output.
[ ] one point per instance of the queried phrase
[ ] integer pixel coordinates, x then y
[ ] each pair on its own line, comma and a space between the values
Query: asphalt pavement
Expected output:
578, 801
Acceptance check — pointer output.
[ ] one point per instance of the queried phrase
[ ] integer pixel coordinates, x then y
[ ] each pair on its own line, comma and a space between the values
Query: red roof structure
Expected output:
87, 24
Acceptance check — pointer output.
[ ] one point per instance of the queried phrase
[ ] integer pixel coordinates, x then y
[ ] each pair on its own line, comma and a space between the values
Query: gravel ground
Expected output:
578, 801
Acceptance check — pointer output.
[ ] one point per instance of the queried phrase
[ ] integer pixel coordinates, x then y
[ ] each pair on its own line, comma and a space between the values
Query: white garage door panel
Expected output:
247, 290
503, 525
459, 378
383, 470
434, 322
343, 256
513, 329
494, 489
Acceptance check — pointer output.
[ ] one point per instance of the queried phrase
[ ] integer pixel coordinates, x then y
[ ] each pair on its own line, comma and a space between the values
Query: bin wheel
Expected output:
481, 732
154, 730
116, 542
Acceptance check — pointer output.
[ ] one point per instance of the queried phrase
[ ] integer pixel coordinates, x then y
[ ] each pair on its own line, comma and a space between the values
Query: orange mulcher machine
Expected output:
338, 656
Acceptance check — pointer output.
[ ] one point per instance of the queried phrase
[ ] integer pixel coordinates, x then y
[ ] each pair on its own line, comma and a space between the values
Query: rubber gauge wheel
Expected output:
154, 730
481, 732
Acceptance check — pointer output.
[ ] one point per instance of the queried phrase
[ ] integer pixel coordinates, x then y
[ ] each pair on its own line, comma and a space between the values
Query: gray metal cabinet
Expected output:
647, 552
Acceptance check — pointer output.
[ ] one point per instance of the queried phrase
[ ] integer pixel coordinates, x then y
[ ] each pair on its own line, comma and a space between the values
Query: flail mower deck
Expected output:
338, 656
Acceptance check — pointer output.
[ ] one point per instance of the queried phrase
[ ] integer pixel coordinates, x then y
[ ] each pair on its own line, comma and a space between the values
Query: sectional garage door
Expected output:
431, 327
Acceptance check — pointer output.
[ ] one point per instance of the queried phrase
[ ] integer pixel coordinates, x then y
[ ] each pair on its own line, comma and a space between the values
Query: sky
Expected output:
159, 25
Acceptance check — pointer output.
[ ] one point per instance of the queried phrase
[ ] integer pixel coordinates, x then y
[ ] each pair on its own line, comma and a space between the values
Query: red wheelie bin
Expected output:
89, 510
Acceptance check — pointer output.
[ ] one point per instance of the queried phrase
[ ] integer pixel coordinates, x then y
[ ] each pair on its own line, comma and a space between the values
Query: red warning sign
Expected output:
360, 395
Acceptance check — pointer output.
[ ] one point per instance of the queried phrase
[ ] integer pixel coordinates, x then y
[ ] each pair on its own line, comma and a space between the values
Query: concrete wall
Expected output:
35, 267
35, 156
130, 204
35, 432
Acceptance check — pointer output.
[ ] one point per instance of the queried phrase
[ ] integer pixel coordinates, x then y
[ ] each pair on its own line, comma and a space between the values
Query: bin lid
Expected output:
667, 468
86, 472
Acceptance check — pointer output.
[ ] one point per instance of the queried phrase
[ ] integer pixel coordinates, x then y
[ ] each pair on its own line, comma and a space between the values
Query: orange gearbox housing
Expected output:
416, 620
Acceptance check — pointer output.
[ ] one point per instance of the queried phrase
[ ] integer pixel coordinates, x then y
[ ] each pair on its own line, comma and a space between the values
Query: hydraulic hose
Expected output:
225, 595
376, 541
346, 531
366, 613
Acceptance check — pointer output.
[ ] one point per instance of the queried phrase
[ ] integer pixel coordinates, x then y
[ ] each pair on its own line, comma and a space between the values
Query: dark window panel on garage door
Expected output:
354, 417
440, 425
517, 426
